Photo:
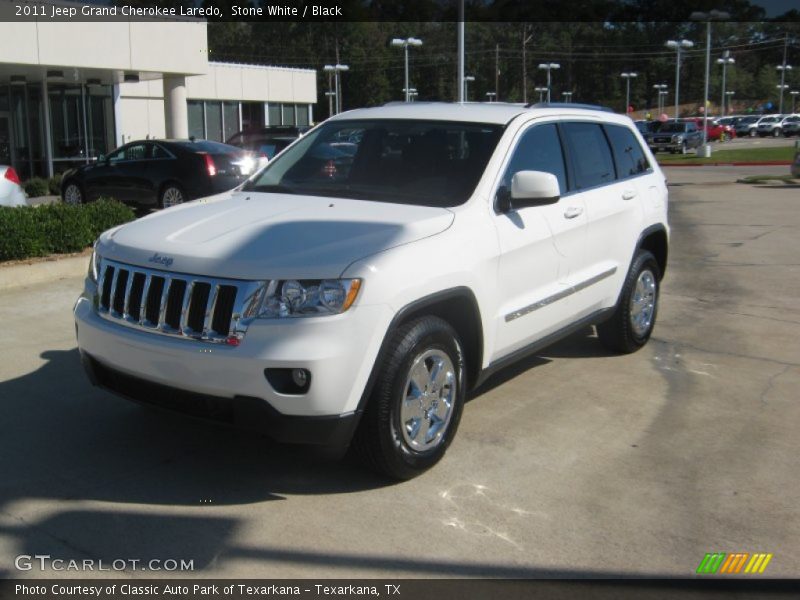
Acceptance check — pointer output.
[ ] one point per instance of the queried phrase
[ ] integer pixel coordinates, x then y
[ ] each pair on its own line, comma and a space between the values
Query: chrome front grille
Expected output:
176, 304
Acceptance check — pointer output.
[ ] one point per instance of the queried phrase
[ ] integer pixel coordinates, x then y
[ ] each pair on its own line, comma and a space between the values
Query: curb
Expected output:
773, 163
39, 272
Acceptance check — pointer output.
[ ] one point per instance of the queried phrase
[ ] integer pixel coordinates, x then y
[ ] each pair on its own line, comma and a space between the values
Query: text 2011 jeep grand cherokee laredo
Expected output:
383, 264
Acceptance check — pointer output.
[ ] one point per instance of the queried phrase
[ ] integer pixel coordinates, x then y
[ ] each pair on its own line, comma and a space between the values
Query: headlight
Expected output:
94, 265
677, 138
308, 298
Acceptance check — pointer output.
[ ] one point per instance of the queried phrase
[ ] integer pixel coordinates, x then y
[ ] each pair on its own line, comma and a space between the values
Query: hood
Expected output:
250, 235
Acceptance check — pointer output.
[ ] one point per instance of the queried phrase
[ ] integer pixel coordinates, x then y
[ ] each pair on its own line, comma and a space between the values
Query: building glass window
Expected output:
196, 126
302, 114
274, 114
288, 114
252, 115
230, 112
214, 121
99, 119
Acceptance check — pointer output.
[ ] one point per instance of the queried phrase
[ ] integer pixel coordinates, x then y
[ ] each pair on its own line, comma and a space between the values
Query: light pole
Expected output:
660, 87
542, 91
724, 61
793, 94
714, 15
336, 70
679, 46
467, 79
567, 96
491, 96
627, 77
663, 95
783, 68
549, 67
405, 44
728, 96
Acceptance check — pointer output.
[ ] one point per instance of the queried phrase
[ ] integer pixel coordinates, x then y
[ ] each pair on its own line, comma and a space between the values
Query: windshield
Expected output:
429, 163
747, 120
672, 128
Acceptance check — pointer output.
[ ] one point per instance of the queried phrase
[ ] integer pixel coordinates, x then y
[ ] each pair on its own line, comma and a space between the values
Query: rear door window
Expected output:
629, 157
590, 154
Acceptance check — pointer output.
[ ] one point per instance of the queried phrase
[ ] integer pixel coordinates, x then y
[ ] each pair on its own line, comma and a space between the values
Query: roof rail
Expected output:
569, 105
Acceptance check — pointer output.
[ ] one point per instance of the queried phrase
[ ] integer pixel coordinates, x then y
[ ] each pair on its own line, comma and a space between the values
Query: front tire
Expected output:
415, 408
73, 194
635, 315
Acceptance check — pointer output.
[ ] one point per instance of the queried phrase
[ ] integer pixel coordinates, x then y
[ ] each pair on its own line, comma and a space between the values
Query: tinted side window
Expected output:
159, 152
538, 150
590, 154
628, 154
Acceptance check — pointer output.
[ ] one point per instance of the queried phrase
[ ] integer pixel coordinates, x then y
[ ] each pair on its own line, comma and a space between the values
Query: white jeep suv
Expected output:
385, 263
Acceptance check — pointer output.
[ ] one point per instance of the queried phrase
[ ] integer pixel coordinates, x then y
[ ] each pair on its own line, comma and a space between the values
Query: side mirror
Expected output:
529, 188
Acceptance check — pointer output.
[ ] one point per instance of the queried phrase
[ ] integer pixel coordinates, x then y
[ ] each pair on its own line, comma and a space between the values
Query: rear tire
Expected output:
415, 407
635, 315
171, 195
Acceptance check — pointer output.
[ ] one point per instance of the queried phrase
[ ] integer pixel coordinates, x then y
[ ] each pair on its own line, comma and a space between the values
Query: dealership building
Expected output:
70, 92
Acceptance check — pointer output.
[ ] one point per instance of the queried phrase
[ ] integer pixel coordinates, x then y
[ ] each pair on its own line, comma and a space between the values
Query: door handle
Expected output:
629, 194
572, 212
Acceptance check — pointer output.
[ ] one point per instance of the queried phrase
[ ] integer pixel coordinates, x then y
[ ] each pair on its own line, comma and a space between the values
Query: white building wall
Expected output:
142, 103
159, 47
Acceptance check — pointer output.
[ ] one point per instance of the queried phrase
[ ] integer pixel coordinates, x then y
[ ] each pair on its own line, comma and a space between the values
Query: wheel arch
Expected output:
458, 307
655, 240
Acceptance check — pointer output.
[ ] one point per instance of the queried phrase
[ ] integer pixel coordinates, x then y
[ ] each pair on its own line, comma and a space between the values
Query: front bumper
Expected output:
229, 383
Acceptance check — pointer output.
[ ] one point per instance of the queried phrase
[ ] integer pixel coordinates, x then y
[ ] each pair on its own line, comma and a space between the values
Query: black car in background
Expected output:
159, 173
266, 142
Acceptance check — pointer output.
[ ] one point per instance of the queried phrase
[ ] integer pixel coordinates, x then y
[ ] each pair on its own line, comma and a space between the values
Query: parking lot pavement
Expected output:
574, 463
741, 143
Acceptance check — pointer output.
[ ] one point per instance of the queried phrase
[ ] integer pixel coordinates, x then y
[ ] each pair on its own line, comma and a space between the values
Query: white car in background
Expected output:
11, 192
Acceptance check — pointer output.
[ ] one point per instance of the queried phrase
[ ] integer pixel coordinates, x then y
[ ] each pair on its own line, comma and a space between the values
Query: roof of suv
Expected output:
499, 113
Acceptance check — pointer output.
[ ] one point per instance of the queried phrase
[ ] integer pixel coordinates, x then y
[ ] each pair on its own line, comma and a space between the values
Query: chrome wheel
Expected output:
428, 399
172, 196
643, 303
72, 194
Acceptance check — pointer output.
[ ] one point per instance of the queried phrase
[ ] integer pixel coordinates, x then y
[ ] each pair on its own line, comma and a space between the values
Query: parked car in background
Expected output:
731, 120
672, 136
791, 125
266, 142
770, 125
159, 173
11, 192
715, 131
747, 126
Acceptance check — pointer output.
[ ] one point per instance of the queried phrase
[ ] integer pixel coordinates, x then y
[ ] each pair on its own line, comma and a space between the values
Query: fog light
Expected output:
300, 377
293, 381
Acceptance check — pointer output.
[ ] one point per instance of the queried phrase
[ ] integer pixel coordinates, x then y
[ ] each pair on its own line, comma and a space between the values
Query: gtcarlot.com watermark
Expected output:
45, 562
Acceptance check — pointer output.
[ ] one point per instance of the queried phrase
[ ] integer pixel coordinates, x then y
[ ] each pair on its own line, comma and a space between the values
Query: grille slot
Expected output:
105, 288
177, 290
174, 304
152, 307
198, 303
121, 282
135, 296
223, 309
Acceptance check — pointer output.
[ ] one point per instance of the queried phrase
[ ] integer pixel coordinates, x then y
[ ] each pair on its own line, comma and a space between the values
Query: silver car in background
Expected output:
11, 192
